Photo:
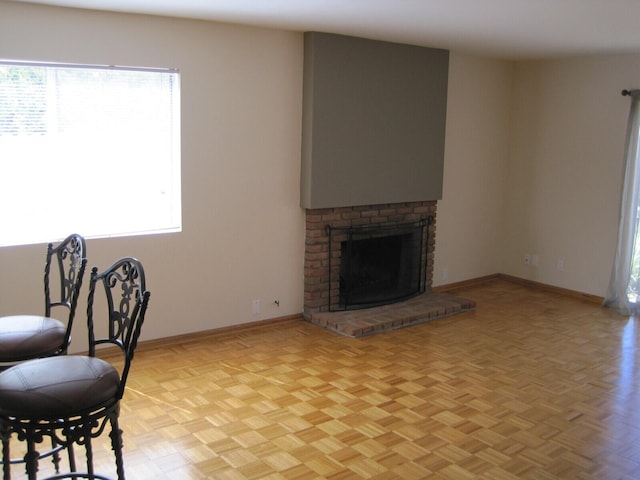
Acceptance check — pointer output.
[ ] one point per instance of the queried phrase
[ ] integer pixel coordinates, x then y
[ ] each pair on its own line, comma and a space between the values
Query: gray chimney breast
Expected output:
374, 116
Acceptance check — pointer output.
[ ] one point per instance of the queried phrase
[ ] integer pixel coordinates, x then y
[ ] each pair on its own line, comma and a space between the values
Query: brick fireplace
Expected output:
319, 284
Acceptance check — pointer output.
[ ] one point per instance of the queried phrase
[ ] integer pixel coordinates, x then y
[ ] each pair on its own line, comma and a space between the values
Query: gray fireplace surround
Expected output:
374, 116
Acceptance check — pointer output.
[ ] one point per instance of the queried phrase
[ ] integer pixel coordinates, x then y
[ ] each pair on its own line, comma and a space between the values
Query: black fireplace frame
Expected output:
338, 298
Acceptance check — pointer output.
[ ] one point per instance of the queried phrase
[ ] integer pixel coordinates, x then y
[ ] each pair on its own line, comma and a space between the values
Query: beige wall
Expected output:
470, 215
243, 230
533, 165
565, 168
533, 172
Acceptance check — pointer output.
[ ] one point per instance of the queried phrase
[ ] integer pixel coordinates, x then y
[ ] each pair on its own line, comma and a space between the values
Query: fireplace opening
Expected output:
377, 265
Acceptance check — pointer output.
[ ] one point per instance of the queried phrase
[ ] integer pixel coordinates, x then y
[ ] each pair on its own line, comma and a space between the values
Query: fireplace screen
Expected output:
373, 266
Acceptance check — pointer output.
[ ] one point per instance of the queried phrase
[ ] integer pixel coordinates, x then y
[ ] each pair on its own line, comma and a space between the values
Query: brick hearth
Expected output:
425, 307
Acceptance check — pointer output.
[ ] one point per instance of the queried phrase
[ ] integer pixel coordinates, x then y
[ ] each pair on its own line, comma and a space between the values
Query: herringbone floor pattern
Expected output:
530, 385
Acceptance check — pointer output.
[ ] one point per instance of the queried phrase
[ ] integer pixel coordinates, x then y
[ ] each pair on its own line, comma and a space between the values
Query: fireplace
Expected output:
376, 265
373, 137
344, 268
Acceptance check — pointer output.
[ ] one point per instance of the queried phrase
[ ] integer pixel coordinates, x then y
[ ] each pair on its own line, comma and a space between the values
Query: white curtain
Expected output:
624, 289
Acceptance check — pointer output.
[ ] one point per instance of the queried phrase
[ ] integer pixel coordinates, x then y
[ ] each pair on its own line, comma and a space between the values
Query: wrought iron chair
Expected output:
72, 398
24, 337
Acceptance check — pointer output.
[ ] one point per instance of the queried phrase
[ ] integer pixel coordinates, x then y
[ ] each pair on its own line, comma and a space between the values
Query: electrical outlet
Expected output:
560, 265
535, 260
255, 307
527, 259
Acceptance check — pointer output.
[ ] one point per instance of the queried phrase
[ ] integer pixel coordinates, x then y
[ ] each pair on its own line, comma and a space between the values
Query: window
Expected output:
83, 147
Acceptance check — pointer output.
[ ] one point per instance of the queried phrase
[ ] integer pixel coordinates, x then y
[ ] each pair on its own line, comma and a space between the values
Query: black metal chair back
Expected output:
70, 260
126, 297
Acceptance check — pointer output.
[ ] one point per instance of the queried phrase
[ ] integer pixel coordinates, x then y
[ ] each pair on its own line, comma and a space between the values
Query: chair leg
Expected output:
6, 454
72, 457
55, 458
89, 450
31, 460
116, 445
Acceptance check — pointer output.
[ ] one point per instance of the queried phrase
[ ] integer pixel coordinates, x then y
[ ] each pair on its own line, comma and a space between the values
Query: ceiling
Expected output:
510, 29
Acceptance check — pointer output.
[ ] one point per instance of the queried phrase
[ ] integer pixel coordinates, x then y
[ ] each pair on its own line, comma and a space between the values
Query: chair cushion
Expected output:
56, 387
29, 336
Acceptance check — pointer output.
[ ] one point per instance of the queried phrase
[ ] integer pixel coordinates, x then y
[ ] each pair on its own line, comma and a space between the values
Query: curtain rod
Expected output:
633, 93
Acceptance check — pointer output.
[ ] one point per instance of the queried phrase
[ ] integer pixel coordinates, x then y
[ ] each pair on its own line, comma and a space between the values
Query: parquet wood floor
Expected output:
529, 385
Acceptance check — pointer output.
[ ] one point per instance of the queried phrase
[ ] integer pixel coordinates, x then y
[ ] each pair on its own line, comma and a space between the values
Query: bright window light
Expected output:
88, 149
